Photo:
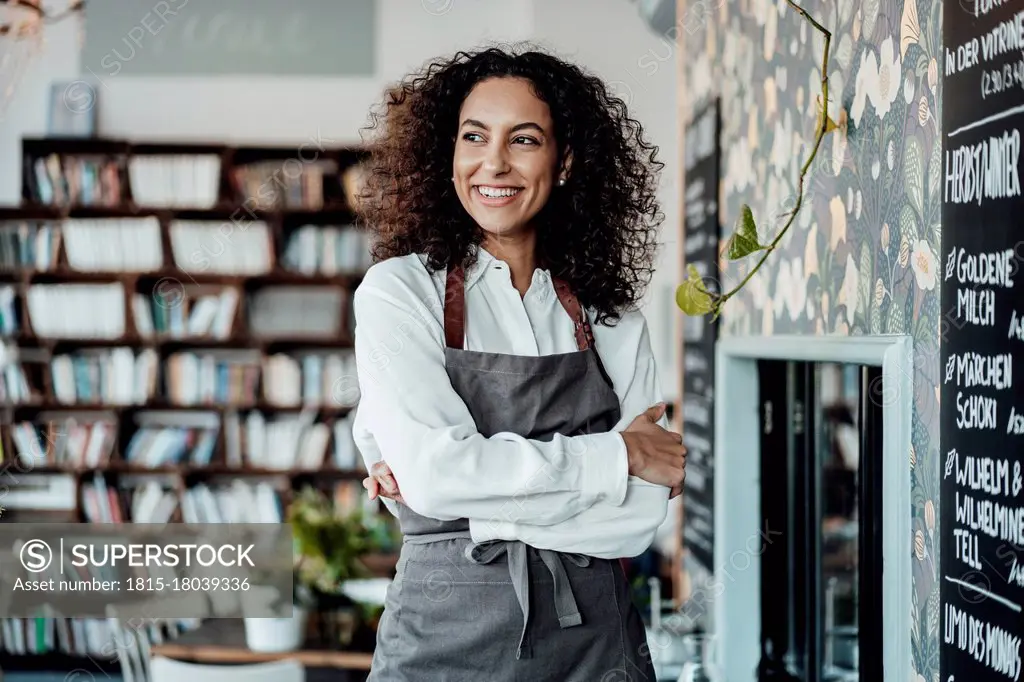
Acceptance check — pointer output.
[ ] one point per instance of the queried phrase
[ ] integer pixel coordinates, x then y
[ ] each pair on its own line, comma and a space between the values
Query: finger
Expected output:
389, 483
655, 412
371, 487
380, 469
676, 491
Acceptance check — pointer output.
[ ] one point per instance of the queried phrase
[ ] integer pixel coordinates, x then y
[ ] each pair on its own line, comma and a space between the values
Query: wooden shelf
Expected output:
325, 215
223, 641
120, 467
231, 206
163, 406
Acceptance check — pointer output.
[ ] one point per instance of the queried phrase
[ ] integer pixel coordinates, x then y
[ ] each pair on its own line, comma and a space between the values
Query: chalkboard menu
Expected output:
982, 353
700, 248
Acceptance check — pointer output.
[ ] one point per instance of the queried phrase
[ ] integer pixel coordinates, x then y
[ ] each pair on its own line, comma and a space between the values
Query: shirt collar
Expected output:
484, 260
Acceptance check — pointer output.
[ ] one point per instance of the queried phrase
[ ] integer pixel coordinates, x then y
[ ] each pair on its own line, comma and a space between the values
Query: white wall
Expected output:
609, 38
606, 36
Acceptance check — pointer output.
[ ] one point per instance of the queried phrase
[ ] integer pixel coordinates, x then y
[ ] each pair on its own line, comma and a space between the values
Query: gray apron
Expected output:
504, 611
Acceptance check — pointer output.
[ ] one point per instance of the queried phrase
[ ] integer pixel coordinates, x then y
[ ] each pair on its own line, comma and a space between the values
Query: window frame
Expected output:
739, 532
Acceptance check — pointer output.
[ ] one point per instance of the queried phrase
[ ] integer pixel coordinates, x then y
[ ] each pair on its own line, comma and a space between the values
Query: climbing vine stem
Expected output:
692, 296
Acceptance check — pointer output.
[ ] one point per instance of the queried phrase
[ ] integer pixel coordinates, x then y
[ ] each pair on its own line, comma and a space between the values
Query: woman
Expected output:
509, 402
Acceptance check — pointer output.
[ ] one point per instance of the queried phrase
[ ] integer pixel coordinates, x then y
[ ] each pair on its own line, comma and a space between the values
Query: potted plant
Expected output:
330, 545
328, 549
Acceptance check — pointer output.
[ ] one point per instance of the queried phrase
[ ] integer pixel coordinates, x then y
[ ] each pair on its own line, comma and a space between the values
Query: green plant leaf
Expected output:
744, 239
895, 322
908, 224
691, 297
913, 174
865, 283
935, 170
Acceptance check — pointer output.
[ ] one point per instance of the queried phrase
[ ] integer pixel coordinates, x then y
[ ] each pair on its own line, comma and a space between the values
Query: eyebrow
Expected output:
516, 128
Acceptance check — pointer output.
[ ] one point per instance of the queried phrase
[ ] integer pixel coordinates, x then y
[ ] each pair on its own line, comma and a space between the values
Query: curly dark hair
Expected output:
598, 232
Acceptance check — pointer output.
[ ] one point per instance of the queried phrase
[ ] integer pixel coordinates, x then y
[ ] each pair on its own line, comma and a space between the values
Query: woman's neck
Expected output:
519, 253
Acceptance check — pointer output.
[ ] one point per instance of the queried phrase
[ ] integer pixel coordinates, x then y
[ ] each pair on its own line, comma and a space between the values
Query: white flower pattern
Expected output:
853, 263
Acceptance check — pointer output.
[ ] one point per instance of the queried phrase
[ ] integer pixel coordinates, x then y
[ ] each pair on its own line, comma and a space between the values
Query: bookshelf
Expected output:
176, 334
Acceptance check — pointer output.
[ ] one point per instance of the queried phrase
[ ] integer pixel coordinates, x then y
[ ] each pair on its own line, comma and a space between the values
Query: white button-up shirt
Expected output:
542, 493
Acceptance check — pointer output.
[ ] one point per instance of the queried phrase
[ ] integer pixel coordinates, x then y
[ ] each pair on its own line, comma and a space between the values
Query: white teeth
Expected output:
495, 192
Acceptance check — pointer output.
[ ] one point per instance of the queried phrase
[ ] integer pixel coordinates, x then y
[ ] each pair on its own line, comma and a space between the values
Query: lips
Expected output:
493, 195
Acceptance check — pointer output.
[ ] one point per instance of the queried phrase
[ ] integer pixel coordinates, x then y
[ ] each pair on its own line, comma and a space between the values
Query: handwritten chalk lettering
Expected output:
694, 441
988, 475
976, 307
994, 519
1016, 576
694, 211
975, 412
1016, 330
695, 189
1015, 424
697, 413
967, 55
695, 242
984, 642
695, 479
985, 6
1007, 36
985, 170
695, 361
987, 269
965, 548
975, 369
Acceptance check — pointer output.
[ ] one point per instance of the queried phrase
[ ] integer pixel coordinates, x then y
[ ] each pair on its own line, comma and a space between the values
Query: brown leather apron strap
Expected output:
584, 335
455, 310
455, 307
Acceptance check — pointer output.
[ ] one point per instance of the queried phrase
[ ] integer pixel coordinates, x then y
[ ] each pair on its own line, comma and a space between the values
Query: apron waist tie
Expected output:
486, 552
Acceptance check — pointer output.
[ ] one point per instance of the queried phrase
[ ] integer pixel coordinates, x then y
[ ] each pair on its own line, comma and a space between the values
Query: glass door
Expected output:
821, 484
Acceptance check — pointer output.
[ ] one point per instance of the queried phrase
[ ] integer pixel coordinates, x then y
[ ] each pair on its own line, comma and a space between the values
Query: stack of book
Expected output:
70, 180
29, 245
77, 311
327, 250
291, 183
222, 247
113, 244
175, 180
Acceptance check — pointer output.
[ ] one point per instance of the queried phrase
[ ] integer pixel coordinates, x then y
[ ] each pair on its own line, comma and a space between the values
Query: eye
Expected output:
473, 137
524, 139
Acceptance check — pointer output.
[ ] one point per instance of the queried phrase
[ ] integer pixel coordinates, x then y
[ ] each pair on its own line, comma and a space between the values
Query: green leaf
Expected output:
908, 224
866, 283
691, 297
895, 322
913, 173
935, 170
744, 239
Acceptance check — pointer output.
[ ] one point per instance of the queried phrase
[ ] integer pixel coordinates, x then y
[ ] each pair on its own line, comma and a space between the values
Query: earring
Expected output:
561, 182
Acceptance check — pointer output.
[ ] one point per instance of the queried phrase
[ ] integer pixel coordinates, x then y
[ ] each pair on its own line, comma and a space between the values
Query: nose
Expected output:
495, 158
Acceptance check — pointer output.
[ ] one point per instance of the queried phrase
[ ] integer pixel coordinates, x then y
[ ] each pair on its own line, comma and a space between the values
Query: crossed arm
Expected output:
509, 487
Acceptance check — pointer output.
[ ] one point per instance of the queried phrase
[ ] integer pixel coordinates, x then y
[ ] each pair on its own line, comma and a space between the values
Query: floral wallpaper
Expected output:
861, 257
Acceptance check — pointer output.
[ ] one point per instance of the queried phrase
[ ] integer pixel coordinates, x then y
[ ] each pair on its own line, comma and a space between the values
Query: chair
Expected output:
162, 669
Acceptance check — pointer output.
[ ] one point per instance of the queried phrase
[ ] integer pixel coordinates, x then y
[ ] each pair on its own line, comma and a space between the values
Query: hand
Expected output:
382, 483
655, 454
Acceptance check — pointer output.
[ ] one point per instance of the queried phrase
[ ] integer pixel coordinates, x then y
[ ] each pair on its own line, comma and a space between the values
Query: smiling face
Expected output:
506, 158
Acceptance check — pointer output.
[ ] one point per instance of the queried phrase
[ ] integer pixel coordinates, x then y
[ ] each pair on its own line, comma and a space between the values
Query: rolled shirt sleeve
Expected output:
606, 529
410, 416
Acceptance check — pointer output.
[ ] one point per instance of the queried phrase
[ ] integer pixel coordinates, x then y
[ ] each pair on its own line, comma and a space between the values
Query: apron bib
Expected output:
504, 611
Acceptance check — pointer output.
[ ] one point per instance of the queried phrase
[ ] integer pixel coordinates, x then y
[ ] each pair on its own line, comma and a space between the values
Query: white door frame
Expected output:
736, 609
